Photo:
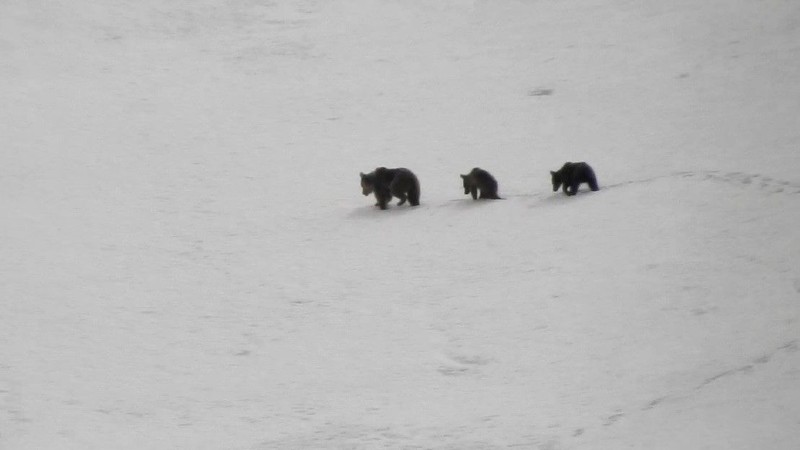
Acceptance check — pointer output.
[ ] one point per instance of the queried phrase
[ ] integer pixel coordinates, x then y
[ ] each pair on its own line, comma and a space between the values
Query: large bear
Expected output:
385, 183
571, 175
479, 179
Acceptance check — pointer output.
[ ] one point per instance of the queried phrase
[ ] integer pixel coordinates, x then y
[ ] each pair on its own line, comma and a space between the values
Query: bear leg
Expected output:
413, 197
383, 199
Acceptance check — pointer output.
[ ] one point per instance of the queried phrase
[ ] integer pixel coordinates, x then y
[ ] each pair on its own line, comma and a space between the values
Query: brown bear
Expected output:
483, 180
385, 183
571, 175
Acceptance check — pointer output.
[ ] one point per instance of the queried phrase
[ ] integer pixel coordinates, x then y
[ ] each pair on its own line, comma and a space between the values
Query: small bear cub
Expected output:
385, 183
483, 180
571, 175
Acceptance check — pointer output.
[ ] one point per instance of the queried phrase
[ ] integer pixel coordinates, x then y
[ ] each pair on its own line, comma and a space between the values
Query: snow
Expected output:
187, 260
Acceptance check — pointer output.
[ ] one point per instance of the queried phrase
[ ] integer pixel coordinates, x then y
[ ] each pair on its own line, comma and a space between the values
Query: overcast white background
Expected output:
186, 259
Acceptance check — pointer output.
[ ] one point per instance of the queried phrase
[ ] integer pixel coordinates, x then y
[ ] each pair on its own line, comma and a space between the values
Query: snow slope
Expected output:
187, 261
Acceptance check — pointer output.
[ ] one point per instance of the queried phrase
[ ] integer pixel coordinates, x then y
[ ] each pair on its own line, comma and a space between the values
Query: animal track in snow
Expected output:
460, 364
761, 182
607, 421
653, 403
613, 418
788, 347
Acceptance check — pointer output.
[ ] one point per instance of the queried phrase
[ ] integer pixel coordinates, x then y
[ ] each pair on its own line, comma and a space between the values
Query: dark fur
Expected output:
483, 180
571, 175
385, 183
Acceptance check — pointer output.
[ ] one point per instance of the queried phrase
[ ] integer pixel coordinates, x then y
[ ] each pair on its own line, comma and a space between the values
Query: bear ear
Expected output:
552, 173
362, 174
462, 176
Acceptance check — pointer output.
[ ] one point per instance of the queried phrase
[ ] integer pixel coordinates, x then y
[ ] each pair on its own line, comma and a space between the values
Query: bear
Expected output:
483, 180
385, 183
571, 175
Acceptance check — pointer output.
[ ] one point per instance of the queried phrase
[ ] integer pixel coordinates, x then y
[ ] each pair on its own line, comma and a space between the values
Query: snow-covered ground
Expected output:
186, 259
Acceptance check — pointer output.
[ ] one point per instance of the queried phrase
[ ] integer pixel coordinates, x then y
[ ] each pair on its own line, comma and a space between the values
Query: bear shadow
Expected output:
469, 203
371, 211
559, 198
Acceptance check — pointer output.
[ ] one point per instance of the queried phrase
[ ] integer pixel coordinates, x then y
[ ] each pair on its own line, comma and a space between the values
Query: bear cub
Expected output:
483, 180
571, 175
385, 183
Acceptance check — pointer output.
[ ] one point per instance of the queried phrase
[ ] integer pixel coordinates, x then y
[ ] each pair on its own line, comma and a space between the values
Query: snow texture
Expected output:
186, 259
